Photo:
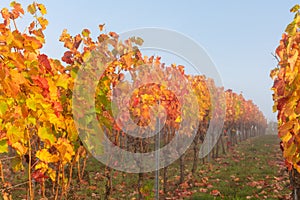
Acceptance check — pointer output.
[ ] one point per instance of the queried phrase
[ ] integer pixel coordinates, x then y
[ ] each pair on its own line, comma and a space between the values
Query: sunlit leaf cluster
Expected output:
286, 90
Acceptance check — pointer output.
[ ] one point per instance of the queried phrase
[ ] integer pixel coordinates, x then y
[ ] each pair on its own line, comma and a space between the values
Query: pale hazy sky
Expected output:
239, 36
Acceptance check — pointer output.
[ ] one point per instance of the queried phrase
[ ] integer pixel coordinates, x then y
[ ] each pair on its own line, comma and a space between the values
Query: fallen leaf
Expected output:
215, 192
204, 190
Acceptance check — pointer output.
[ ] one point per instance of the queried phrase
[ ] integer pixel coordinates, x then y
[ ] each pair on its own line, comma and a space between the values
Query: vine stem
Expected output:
58, 179
15, 25
84, 165
1, 172
8, 158
63, 190
31, 192
14, 186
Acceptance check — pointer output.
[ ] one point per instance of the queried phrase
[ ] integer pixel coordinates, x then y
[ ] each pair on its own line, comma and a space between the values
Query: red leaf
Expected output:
57, 108
77, 41
41, 82
135, 101
38, 176
43, 59
68, 57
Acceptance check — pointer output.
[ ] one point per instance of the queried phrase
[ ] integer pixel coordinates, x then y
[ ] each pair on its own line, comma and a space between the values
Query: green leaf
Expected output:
45, 135
3, 146
31, 104
74, 73
3, 108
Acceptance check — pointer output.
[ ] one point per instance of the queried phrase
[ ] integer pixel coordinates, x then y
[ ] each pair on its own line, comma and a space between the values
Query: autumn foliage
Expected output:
286, 95
38, 132
286, 91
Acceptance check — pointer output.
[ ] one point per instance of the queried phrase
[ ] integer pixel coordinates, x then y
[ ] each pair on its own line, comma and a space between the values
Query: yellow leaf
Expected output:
3, 108
65, 150
178, 119
289, 152
42, 8
31, 103
14, 134
86, 56
86, 33
52, 90
46, 135
46, 157
41, 166
71, 130
43, 22
31, 120
147, 98
57, 121
297, 167
52, 174
286, 137
31, 9
284, 128
62, 81
21, 150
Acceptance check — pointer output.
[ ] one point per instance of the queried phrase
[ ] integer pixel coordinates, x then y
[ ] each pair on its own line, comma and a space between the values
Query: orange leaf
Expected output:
113, 34
17, 9
57, 108
101, 26
43, 22
5, 13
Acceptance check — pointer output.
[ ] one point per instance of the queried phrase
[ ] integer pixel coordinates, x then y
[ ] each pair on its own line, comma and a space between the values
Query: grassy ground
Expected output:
254, 169
251, 170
